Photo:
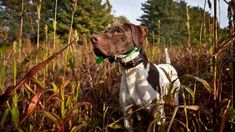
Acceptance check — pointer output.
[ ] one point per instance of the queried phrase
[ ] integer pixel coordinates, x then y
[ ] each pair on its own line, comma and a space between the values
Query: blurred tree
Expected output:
166, 20
90, 16
120, 20
196, 15
162, 19
10, 14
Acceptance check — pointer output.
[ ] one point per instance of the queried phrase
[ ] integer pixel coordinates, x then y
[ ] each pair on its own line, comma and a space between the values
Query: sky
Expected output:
132, 9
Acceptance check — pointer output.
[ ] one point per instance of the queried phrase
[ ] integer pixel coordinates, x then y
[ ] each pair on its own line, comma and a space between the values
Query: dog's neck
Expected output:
135, 59
131, 61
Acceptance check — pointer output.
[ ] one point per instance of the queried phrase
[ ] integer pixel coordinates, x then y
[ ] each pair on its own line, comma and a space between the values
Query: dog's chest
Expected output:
135, 87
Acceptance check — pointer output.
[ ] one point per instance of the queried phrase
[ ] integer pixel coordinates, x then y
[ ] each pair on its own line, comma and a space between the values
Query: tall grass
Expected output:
54, 24
86, 98
21, 28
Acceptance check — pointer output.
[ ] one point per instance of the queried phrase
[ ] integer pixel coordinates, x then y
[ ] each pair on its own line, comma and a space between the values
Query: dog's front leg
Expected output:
126, 106
128, 120
158, 112
127, 111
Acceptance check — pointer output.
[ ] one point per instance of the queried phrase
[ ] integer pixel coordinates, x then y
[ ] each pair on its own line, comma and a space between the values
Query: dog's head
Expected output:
119, 40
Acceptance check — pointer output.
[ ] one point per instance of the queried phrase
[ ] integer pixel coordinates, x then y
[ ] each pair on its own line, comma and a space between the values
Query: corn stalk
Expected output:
188, 25
38, 26
39, 18
215, 60
159, 31
21, 28
54, 24
14, 109
14, 64
202, 30
231, 17
74, 8
45, 54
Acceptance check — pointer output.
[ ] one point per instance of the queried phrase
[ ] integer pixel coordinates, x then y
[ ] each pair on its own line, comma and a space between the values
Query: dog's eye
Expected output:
118, 31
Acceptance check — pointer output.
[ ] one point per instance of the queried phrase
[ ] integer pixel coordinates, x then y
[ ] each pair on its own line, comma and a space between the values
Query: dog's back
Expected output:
170, 80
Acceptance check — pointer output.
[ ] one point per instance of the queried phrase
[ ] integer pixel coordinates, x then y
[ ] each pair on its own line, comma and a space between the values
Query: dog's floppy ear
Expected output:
138, 34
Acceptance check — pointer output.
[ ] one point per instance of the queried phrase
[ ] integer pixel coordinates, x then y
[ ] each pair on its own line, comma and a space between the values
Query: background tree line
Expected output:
90, 16
167, 19
173, 22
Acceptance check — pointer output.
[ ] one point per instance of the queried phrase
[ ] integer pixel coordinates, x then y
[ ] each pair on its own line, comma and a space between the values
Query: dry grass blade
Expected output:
204, 82
4, 117
33, 103
30, 73
15, 114
190, 107
224, 116
53, 117
172, 119
224, 45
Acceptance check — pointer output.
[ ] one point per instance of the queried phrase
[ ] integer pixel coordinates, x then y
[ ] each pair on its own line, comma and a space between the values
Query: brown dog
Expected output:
142, 82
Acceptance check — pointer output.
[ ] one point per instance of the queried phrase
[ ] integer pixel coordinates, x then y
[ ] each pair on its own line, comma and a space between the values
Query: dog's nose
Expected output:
94, 40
